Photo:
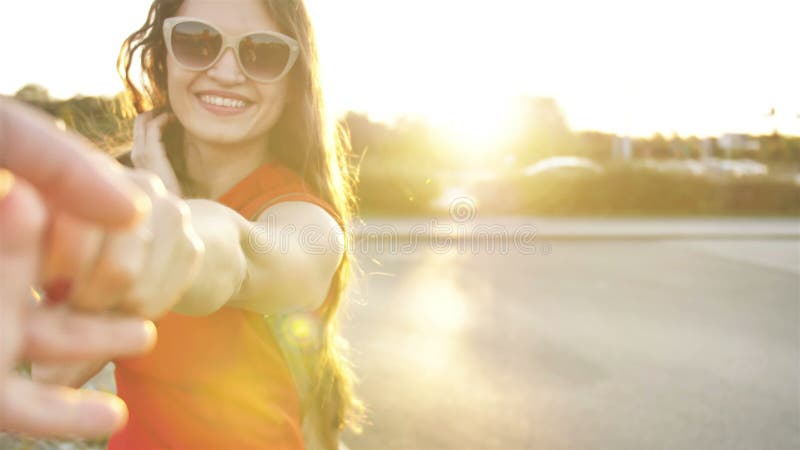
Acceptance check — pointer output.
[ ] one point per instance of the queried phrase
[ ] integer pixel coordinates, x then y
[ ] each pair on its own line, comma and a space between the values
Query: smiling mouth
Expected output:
223, 102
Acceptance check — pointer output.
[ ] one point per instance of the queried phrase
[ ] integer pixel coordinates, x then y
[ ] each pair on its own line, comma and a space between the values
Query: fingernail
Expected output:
132, 196
142, 203
6, 183
120, 411
58, 290
151, 334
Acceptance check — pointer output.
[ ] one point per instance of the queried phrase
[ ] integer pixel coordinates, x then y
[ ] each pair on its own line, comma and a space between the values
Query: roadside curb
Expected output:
443, 228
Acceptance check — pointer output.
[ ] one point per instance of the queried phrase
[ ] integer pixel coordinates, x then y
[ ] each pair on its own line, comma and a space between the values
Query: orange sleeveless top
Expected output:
219, 381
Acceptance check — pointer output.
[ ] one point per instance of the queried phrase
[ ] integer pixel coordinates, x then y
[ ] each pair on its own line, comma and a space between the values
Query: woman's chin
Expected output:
219, 137
216, 131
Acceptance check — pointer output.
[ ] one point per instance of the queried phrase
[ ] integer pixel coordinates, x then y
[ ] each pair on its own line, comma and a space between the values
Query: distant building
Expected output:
731, 142
622, 148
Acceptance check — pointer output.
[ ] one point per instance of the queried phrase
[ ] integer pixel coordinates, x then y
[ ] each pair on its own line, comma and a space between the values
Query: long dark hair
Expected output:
305, 138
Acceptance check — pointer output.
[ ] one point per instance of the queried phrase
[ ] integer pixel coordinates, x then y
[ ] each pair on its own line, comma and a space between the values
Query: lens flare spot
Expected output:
300, 328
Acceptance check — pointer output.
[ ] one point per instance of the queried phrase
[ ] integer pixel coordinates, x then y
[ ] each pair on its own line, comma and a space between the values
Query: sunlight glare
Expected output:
438, 307
475, 125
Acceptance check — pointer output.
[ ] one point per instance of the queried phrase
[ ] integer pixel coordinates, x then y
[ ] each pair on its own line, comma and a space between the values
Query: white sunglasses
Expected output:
264, 56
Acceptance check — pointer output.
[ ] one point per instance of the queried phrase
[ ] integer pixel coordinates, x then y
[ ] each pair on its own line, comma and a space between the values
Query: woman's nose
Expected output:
227, 70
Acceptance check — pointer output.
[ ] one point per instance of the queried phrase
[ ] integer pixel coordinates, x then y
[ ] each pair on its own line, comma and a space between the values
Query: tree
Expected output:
544, 130
34, 94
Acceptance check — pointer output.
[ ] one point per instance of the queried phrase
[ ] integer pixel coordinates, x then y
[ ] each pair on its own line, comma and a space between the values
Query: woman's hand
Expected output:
148, 151
142, 271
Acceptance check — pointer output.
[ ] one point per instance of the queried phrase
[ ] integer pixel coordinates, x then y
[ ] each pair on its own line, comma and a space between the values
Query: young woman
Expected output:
236, 125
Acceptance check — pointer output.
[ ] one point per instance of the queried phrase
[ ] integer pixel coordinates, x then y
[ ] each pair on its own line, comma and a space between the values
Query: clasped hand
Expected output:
140, 271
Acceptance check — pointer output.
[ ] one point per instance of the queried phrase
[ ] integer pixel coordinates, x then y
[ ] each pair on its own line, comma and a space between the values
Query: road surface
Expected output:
641, 344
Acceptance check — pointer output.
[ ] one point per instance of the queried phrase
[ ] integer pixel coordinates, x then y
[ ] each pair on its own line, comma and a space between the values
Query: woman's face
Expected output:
190, 92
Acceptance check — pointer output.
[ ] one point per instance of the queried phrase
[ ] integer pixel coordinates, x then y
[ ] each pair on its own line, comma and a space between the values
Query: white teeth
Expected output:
222, 101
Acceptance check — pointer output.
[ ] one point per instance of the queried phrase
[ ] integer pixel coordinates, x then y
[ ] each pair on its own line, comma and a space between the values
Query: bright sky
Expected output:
699, 67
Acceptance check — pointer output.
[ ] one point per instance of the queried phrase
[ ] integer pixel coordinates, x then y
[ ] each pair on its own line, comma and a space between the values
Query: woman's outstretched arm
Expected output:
283, 261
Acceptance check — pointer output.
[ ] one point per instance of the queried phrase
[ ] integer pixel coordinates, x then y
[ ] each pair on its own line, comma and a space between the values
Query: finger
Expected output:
173, 256
183, 263
55, 411
63, 335
56, 164
156, 154
117, 268
139, 137
153, 145
72, 251
146, 290
148, 297
155, 126
22, 213
22, 218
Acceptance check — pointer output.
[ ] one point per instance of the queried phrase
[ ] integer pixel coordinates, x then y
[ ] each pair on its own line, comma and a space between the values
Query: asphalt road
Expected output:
640, 344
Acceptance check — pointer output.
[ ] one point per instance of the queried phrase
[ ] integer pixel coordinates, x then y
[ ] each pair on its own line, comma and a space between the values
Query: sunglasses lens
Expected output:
263, 56
195, 44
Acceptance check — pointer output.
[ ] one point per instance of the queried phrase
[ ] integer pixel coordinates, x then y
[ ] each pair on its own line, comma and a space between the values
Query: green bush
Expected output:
397, 194
637, 191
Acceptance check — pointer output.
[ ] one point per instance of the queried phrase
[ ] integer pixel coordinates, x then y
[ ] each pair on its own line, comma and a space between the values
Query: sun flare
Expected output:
474, 126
